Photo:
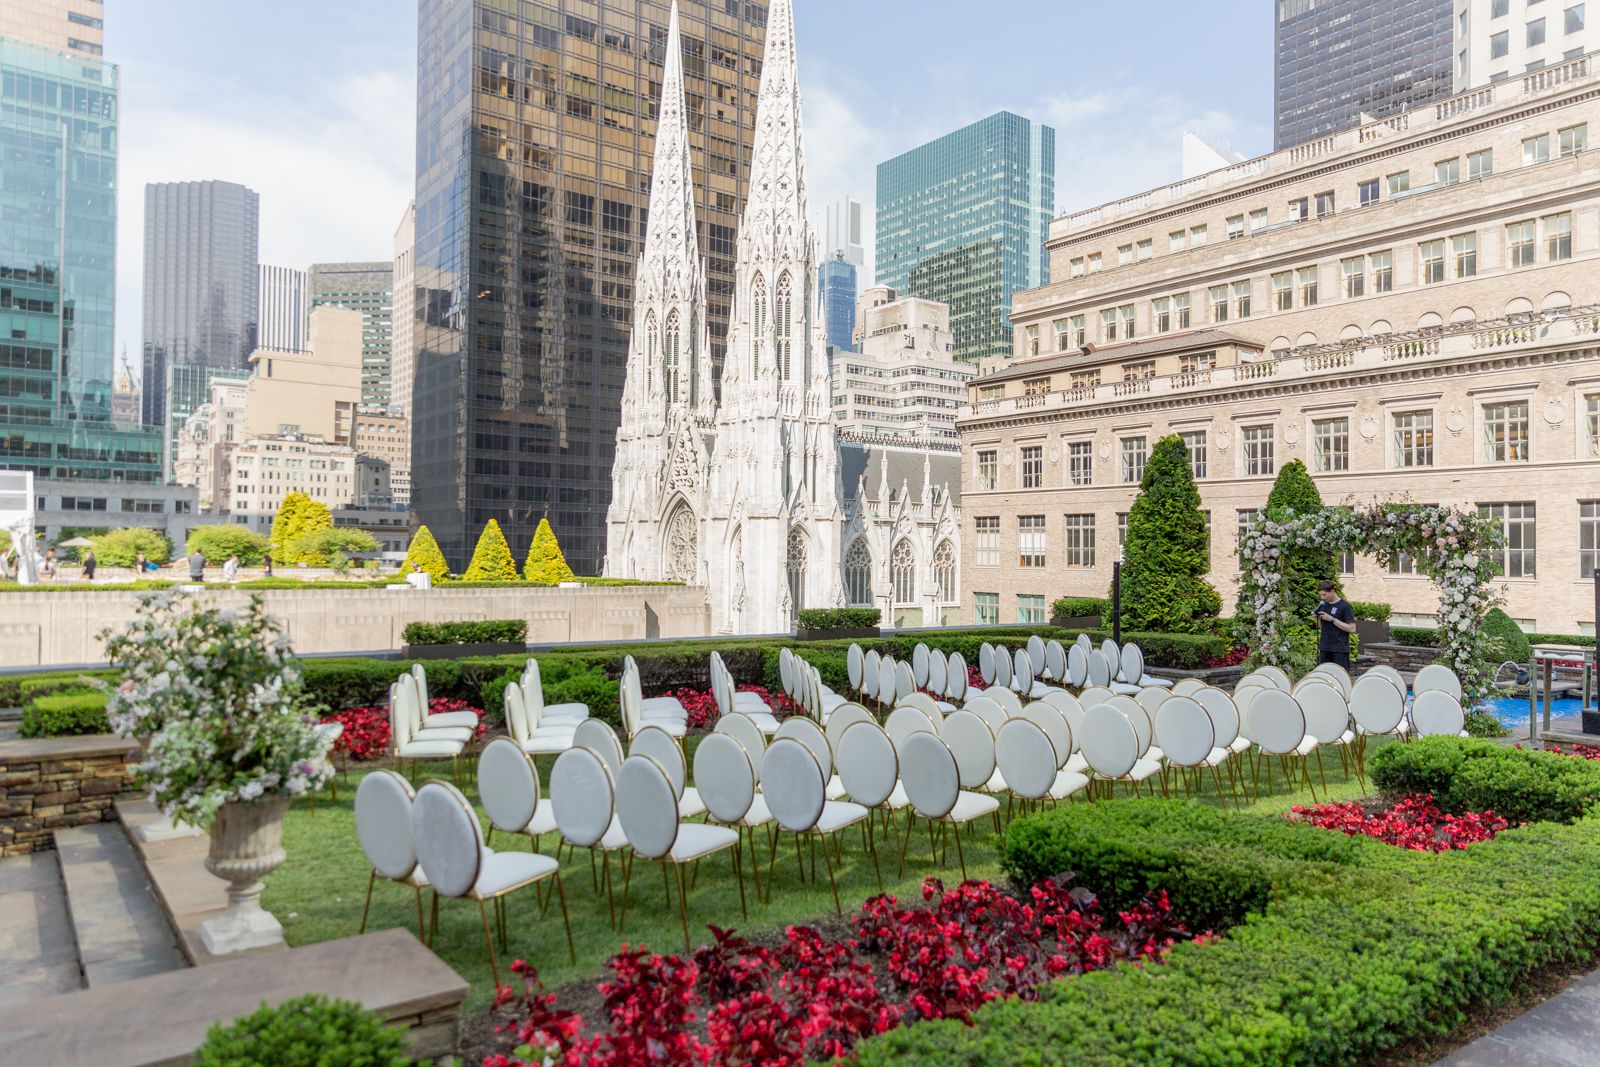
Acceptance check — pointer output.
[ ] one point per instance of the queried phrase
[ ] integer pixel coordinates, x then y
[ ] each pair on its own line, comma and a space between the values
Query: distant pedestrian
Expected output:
48, 567
1338, 621
197, 565
230, 569
89, 564
267, 561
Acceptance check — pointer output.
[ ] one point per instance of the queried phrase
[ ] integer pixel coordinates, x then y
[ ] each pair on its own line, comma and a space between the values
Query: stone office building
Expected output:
1409, 306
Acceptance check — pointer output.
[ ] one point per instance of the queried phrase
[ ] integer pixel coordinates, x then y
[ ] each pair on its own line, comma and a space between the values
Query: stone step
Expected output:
119, 927
37, 956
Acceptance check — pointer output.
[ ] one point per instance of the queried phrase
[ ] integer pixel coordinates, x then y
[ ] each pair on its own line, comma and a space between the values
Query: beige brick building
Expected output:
1411, 307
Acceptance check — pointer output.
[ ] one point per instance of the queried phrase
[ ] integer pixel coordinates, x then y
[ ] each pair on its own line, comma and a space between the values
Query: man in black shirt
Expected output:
1338, 622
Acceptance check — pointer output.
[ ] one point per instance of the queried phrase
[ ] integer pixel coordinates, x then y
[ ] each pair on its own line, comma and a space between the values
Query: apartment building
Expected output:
1409, 306
905, 382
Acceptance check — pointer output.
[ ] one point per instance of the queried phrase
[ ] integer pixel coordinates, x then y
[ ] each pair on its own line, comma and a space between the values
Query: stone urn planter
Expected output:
246, 846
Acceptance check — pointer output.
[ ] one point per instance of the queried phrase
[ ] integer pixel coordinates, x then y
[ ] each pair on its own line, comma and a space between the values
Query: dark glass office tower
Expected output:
978, 199
836, 280
1336, 59
535, 130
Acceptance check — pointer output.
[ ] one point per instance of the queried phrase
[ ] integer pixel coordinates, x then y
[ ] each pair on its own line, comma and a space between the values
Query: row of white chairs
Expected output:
803, 684
1435, 707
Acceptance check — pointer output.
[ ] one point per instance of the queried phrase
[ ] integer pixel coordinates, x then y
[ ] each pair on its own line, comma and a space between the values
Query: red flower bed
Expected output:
813, 997
1579, 750
1415, 823
366, 730
702, 705
1235, 657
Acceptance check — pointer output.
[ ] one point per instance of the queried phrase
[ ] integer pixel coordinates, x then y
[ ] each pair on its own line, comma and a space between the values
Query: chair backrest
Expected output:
516, 713
845, 716
1141, 719
869, 673
972, 742
533, 692
925, 703
1132, 663
1243, 697
631, 700
1113, 654
868, 764
905, 683
1108, 742
1376, 704
956, 677
1318, 680
1002, 667
919, 664
986, 663
724, 777
1055, 660
1340, 676
1326, 711
1078, 665
1276, 721
1255, 680
1151, 697
597, 736
1436, 712
582, 796
1022, 671
903, 722
1187, 687
1027, 758
1280, 680
854, 660
1099, 669
988, 707
383, 824
743, 729
1085, 642
1224, 715
1184, 732
809, 734
1094, 694
508, 785
888, 680
792, 785
646, 807
1436, 677
938, 672
1383, 670
786, 670
420, 675
448, 838
659, 745
930, 775
1007, 699
1036, 652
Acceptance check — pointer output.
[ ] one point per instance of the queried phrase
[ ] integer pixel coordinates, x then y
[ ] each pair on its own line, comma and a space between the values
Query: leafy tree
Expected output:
1295, 492
121, 548
545, 561
424, 550
492, 560
1167, 551
332, 546
297, 516
220, 540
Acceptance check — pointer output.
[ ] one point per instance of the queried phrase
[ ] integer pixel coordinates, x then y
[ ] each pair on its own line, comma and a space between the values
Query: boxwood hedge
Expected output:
1471, 775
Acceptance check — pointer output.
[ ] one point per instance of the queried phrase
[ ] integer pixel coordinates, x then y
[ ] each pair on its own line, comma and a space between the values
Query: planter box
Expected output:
1076, 622
1372, 631
854, 633
1591, 722
481, 648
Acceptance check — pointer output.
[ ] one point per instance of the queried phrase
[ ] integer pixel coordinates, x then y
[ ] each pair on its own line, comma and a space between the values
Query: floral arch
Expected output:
1455, 548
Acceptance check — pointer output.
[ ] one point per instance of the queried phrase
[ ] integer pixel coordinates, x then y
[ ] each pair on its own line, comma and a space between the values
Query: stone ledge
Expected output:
158, 1021
55, 749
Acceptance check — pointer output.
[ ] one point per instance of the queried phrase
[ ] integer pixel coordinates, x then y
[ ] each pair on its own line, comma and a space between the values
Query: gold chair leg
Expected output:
904, 840
683, 910
961, 854
566, 921
422, 927
488, 943
872, 846
738, 874
433, 919
627, 874
828, 862
370, 882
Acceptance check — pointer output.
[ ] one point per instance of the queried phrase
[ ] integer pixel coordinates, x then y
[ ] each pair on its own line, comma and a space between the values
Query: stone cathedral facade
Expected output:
755, 497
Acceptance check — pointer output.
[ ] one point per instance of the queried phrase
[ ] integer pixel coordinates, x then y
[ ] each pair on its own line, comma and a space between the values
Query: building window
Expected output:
1030, 609
987, 553
1079, 334
1031, 340
1080, 541
1235, 227
1382, 266
1402, 564
1300, 209
1195, 442
1325, 204
1217, 300
1084, 380
1354, 273
1574, 19
944, 572
1125, 313
1413, 439
1197, 237
1063, 332
1431, 254
1258, 459
1521, 244
1080, 463
903, 572
1535, 33
1283, 291
1480, 164
1592, 422
1371, 191
1124, 255
1122, 529
1133, 457
1516, 523
1241, 300
1399, 182
1260, 219
1030, 540
1464, 250
858, 573
1077, 272
1558, 236
1447, 171
1094, 263
1588, 538
1192, 363
988, 469
1308, 286
1536, 149
1330, 444
1500, 44
1505, 432
1142, 371
1033, 466
1180, 310
1161, 312
986, 609
1177, 240
1247, 519
1145, 249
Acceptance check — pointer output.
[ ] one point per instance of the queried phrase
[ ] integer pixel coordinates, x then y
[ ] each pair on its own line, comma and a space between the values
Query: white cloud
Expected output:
841, 154
333, 165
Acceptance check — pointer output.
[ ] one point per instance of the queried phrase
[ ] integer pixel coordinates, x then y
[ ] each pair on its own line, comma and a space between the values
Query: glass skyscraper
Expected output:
963, 220
1338, 59
369, 289
58, 176
535, 127
836, 278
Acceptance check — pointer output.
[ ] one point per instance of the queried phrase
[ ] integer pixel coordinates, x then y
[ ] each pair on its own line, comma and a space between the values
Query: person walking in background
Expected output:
47, 568
197, 565
89, 564
1338, 621
267, 562
230, 569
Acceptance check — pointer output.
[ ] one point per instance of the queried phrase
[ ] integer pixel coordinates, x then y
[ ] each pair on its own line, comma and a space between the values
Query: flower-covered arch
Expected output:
1455, 548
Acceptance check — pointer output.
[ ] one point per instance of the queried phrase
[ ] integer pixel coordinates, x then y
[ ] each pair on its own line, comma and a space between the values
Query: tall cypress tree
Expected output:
1295, 493
1167, 552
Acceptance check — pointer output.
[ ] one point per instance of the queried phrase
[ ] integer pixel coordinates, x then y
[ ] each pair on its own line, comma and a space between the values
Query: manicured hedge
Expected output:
839, 618
466, 633
1080, 607
1340, 948
1415, 636
17, 689
1472, 775
1371, 610
65, 715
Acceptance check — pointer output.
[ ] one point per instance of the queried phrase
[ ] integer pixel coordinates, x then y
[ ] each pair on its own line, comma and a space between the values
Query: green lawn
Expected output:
317, 894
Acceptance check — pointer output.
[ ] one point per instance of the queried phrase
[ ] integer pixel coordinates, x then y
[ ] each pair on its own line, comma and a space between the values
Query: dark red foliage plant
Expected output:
1414, 823
366, 730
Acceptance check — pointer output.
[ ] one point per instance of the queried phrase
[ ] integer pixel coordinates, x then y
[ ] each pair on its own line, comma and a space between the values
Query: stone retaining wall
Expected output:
1407, 659
56, 782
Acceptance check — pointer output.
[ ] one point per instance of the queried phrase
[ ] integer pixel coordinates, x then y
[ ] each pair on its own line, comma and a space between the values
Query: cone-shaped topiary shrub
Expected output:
424, 550
492, 560
545, 561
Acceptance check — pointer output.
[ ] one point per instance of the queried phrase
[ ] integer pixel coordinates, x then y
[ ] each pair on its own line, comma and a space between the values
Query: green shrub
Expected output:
1294, 493
1187, 652
121, 548
309, 1031
1415, 636
491, 560
545, 562
220, 540
1506, 641
839, 618
331, 546
1168, 549
1483, 724
466, 633
424, 552
66, 714
1079, 607
1472, 775
1371, 610
1586, 640
297, 519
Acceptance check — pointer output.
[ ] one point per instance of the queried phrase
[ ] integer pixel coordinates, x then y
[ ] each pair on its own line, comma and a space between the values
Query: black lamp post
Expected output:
1116, 598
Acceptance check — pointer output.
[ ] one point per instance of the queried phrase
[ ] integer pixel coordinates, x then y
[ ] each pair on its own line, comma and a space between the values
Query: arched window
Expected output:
903, 572
650, 349
944, 572
858, 574
758, 322
673, 333
783, 306
796, 568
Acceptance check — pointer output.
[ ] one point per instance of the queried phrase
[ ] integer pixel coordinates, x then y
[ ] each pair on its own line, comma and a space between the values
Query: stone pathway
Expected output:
120, 929
37, 954
1564, 1031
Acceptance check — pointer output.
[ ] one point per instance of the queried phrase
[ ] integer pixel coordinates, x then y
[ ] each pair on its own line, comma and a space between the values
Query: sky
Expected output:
312, 104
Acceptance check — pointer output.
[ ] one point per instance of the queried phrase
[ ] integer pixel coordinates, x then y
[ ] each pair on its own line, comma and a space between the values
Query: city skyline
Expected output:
323, 127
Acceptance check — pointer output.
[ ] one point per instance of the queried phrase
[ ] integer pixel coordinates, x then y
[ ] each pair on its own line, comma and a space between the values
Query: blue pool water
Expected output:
1513, 711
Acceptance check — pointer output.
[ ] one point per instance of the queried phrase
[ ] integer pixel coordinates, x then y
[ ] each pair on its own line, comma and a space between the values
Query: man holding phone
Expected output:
1338, 621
